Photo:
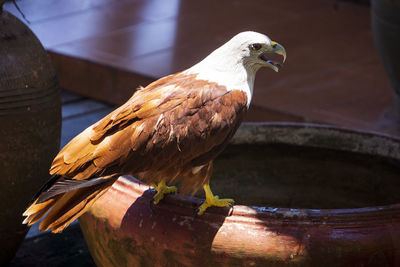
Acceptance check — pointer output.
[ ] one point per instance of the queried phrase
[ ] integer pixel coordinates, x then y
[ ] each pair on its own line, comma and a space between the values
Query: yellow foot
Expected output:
162, 189
212, 200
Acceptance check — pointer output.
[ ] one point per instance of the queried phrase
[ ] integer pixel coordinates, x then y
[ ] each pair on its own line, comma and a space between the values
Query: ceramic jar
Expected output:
30, 126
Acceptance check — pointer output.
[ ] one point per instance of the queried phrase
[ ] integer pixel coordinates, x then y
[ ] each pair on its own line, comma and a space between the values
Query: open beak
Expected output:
277, 49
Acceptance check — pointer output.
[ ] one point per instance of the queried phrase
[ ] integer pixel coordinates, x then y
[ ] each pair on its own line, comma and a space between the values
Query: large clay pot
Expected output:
385, 16
306, 195
30, 124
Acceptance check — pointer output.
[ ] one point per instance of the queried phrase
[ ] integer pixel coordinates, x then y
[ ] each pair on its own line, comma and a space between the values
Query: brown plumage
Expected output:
169, 131
160, 134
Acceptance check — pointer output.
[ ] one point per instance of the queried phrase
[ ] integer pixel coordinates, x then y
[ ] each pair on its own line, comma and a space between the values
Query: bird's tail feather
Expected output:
66, 206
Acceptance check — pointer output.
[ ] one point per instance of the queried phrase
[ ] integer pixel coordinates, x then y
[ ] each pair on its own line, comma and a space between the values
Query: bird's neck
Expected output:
227, 70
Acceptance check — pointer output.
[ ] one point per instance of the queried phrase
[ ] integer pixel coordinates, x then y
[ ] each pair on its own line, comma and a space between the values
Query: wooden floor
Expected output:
78, 113
106, 48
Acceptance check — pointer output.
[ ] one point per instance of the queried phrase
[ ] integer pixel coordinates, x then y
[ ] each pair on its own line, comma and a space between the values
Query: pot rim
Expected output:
367, 142
185, 204
322, 126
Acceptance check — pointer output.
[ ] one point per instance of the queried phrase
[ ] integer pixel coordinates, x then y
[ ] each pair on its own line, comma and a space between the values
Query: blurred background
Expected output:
103, 50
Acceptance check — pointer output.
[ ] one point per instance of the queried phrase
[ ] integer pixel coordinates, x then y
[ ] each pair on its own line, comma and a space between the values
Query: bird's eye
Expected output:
255, 47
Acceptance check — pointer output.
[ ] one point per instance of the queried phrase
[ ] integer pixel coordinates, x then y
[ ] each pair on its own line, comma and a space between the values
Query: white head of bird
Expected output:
236, 63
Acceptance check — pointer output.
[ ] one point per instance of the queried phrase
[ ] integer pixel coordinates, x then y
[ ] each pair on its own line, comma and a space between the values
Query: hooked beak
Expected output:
277, 49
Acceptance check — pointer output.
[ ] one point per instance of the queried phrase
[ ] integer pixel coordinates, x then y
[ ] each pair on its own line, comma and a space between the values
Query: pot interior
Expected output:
290, 176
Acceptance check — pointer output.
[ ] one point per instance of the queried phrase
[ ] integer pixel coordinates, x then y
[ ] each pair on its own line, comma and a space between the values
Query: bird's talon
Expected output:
156, 200
200, 210
212, 200
231, 207
226, 202
162, 189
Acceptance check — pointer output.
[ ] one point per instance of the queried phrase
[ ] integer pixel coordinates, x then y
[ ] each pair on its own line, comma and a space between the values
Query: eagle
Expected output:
168, 132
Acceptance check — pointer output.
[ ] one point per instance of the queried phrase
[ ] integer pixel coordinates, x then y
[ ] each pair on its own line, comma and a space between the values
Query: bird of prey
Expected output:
167, 132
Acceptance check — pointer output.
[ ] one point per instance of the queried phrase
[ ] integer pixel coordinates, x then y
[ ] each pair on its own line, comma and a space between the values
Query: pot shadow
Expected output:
169, 232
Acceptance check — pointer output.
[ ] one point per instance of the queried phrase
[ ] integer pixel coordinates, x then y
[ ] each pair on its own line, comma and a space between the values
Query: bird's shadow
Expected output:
170, 231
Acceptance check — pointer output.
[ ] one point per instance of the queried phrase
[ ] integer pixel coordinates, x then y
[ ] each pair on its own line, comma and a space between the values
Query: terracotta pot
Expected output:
385, 16
306, 195
30, 124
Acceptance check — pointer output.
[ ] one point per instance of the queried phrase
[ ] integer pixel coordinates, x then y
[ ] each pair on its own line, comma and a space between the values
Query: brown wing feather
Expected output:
172, 121
71, 205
